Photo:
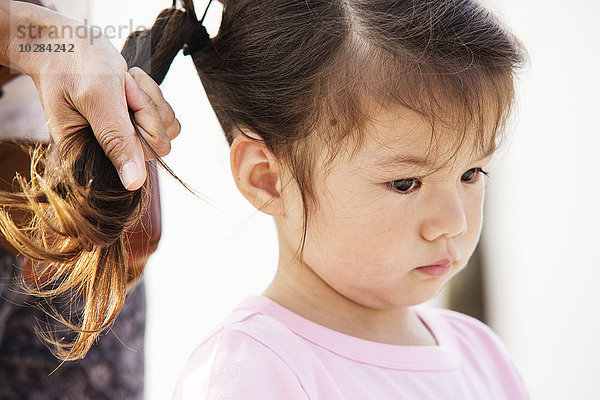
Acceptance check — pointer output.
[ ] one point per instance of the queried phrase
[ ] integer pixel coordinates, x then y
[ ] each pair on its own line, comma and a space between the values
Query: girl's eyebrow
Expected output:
404, 159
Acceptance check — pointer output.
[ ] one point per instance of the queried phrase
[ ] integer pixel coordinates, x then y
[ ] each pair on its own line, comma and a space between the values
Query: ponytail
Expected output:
79, 210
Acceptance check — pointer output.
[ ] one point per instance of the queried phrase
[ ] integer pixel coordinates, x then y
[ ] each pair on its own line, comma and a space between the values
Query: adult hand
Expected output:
96, 89
92, 86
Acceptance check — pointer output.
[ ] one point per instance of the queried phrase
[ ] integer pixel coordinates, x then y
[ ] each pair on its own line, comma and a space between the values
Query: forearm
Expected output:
4, 31
24, 24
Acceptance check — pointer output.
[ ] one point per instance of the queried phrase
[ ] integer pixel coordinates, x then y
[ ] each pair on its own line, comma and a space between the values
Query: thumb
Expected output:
109, 118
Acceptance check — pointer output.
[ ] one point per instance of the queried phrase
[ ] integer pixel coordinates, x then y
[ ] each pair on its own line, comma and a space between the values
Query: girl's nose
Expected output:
445, 216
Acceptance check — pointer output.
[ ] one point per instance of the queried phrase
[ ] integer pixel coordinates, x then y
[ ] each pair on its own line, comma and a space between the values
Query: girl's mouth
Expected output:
438, 269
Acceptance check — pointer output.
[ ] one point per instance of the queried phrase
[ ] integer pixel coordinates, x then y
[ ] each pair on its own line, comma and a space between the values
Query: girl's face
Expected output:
385, 213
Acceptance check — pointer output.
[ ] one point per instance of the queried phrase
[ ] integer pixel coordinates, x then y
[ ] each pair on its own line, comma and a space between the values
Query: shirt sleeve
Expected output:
510, 376
234, 365
482, 348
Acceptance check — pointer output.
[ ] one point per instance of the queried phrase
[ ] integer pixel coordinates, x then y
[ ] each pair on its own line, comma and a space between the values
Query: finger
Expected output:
151, 88
174, 129
147, 117
115, 134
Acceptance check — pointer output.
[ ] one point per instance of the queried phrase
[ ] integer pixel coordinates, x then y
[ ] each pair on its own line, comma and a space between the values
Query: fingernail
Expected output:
132, 79
130, 173
134, 70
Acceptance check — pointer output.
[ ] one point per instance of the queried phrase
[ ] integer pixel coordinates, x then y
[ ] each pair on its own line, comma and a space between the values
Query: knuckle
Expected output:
151, 103
170, 114
111, 142
173, 130
165, 149
148, 98
85, 93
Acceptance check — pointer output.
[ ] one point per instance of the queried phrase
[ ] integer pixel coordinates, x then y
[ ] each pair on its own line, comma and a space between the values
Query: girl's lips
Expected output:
439, 269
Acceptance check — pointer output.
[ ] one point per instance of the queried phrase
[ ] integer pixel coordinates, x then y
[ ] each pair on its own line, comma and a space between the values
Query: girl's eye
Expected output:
406, 186
472, 175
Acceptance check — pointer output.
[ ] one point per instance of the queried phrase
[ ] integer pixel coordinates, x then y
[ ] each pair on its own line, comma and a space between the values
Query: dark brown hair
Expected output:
301, 74
304, 75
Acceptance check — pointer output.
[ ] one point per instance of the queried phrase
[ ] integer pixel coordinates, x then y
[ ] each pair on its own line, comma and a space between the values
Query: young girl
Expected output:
364, 128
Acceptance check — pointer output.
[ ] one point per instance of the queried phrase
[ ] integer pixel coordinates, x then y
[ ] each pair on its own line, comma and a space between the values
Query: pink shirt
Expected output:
265, 351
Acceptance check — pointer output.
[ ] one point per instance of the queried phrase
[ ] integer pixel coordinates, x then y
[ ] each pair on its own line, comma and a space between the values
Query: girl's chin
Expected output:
396, 302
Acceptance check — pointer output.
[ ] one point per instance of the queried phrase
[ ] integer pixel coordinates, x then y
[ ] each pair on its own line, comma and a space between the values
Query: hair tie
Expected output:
199, 37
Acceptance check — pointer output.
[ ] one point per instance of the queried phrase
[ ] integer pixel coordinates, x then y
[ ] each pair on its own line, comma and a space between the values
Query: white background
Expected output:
541, 228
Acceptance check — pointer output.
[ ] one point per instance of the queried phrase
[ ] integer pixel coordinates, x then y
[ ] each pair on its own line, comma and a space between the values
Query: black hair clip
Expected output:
199, 37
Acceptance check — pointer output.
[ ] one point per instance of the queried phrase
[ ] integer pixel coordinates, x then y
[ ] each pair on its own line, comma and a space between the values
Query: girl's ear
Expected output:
256, 173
